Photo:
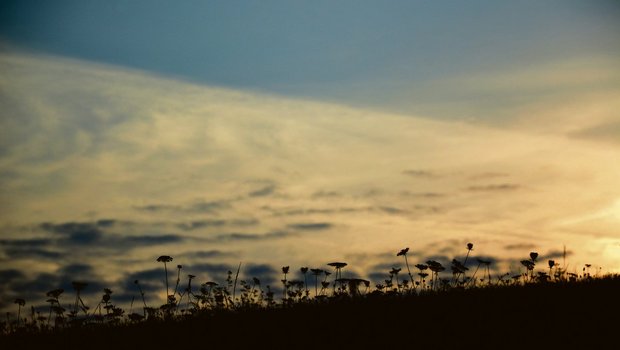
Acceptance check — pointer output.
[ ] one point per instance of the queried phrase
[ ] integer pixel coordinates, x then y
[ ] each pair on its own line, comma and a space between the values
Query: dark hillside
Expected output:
554, 315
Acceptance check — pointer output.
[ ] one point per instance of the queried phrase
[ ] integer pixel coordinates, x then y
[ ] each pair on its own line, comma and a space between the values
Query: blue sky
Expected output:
355, 52
298, 133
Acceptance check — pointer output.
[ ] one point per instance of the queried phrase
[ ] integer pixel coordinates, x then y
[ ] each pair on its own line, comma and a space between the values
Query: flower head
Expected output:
55, 293
421, 267
402, 252
338, 265
20, 301
164, 258
533, 256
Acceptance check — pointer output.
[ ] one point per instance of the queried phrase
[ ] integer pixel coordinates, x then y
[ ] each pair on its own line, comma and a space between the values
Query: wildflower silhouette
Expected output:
316, 273
165, 259
215, 301
137, 283
338, 266
78, 287
285, 270
403, 253
176, 287
435, 268
394, 274
304, 271
20, 302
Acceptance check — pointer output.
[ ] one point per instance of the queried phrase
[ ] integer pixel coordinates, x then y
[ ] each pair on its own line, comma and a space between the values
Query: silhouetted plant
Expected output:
304, 271
78, 287
137, 283
235, 282
20, 302
215, 299
338, 266
394, 274
435, 268
458, 269
403, 252
176, 287
285, 270
316, 273
165, 259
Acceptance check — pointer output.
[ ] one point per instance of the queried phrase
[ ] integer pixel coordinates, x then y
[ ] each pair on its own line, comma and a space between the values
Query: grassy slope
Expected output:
554, 315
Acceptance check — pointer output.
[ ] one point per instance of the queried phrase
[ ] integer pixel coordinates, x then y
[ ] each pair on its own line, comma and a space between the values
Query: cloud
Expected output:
84, 239
265, 191
607, 131
114, 161
326, 194
422, 194
315, 226
267, 274
226, 237
420, 173
147, 240
201, 224
209, 254
9, 275
392, 210
154, 208
494, 187
29, 253
488, 175
555, 254
209, 207
194, 225
520, 246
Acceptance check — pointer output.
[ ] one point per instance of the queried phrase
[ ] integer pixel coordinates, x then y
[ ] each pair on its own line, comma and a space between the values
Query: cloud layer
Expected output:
110, 168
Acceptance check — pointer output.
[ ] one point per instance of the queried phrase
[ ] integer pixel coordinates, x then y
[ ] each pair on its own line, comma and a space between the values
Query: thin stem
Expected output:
235, 284
409, 271
166, 270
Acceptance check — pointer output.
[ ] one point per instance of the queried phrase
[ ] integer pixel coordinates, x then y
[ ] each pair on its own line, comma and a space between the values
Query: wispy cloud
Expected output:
315, 226
420, 173
265, 191
494, 187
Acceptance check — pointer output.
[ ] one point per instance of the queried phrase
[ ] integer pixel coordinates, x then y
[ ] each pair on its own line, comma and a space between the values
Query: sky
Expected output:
297, 133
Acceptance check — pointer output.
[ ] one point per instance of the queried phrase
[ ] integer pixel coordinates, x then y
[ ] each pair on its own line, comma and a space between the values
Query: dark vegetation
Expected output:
459, 306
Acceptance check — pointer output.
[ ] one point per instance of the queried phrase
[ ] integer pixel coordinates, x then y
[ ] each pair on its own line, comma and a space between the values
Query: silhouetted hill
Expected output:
531, 316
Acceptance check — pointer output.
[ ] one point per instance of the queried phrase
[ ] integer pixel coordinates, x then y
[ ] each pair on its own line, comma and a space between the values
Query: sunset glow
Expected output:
106, 164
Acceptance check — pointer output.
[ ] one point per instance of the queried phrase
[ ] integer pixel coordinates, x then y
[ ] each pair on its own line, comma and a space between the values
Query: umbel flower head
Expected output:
402, 251
337, 265
164, 258
55, 293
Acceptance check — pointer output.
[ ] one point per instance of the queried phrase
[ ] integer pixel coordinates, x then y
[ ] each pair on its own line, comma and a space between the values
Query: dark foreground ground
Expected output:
583, 314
